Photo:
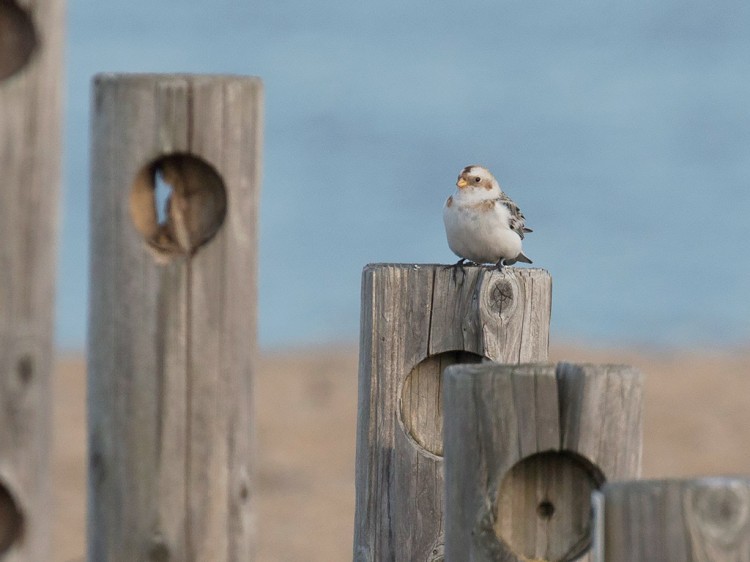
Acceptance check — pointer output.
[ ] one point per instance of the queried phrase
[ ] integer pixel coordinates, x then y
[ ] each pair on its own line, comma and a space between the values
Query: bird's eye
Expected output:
477, 180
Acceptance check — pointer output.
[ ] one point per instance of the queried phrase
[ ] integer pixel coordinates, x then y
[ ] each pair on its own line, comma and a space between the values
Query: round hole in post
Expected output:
18, 38
544, 506
11, 520
421, 406
177, 203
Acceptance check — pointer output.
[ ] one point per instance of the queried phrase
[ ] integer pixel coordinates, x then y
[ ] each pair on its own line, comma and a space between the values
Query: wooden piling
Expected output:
31, 54
699, 520
173, 317
416, 320
525, 446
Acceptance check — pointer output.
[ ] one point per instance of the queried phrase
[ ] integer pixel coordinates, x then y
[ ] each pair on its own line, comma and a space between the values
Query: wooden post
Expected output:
31, 51
702, 520
524, 448
172, 317
416, 320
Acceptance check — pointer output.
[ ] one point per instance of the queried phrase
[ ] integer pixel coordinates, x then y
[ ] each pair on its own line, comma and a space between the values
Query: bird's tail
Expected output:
523, 258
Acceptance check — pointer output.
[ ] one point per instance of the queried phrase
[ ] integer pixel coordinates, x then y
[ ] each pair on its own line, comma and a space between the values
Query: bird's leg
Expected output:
459, 266
500, 264
459, 263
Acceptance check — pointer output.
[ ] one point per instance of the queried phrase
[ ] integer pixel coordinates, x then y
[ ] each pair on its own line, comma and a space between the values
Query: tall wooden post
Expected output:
416, 320
701, 520
525, 446
172, 317
31, 51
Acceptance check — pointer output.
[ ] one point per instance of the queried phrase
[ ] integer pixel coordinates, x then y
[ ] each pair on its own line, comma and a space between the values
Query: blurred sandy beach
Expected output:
697, 422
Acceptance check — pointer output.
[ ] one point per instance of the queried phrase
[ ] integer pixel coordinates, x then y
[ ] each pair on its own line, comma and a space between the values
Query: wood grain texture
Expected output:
30, 154
416, 320
172, 337
701, 520
525, 445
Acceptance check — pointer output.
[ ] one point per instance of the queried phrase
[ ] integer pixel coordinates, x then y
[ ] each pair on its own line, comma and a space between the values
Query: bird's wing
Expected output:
517, 220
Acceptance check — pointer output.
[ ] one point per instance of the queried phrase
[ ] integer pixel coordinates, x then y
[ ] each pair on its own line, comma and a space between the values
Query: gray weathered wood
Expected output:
172, 322
31, 52
525, 445
416, 320
701, 520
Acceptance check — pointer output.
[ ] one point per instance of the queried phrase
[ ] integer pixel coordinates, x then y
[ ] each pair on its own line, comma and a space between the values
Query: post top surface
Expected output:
700, 482
416, 266
135, 78
463, 373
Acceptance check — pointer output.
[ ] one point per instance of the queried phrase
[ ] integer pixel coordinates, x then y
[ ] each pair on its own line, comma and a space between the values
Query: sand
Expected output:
697, 422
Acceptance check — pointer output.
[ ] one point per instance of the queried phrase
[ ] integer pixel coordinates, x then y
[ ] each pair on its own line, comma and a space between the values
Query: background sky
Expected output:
622, 131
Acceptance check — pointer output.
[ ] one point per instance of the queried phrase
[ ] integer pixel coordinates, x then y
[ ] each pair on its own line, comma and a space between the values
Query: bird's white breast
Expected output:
478, 229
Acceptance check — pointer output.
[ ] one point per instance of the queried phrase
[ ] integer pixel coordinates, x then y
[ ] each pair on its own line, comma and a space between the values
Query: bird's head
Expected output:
476, 177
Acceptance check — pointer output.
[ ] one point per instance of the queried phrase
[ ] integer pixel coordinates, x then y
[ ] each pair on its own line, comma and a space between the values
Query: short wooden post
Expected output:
525, 446
172, 317
31, 51
416, 320
701, 520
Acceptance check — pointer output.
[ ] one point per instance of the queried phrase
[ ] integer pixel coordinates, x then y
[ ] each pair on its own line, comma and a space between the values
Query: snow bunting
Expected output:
483, 224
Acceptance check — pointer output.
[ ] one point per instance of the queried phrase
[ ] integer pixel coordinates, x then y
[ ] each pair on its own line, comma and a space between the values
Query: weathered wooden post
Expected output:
701, 520
416, 320
525, 446
172, 317
31, 50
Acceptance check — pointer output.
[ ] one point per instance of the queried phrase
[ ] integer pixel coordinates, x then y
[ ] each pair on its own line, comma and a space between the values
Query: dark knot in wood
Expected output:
437, 554
722, 507
545, 510
97, 466
501, 296
25, 369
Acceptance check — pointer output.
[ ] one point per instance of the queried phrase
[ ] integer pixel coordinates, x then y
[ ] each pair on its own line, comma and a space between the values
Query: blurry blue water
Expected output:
623, 132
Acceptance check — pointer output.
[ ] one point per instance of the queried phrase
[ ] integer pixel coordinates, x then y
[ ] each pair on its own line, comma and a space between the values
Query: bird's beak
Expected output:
461, 182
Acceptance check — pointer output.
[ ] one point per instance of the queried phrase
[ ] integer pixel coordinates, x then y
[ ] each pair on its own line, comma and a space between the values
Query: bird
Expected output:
482, 224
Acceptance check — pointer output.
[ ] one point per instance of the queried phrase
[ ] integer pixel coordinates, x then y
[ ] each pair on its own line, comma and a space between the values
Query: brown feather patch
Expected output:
484, 205
449, 202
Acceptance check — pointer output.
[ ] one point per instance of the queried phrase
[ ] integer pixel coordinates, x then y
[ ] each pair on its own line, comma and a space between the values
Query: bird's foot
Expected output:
500, 265
459, 266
